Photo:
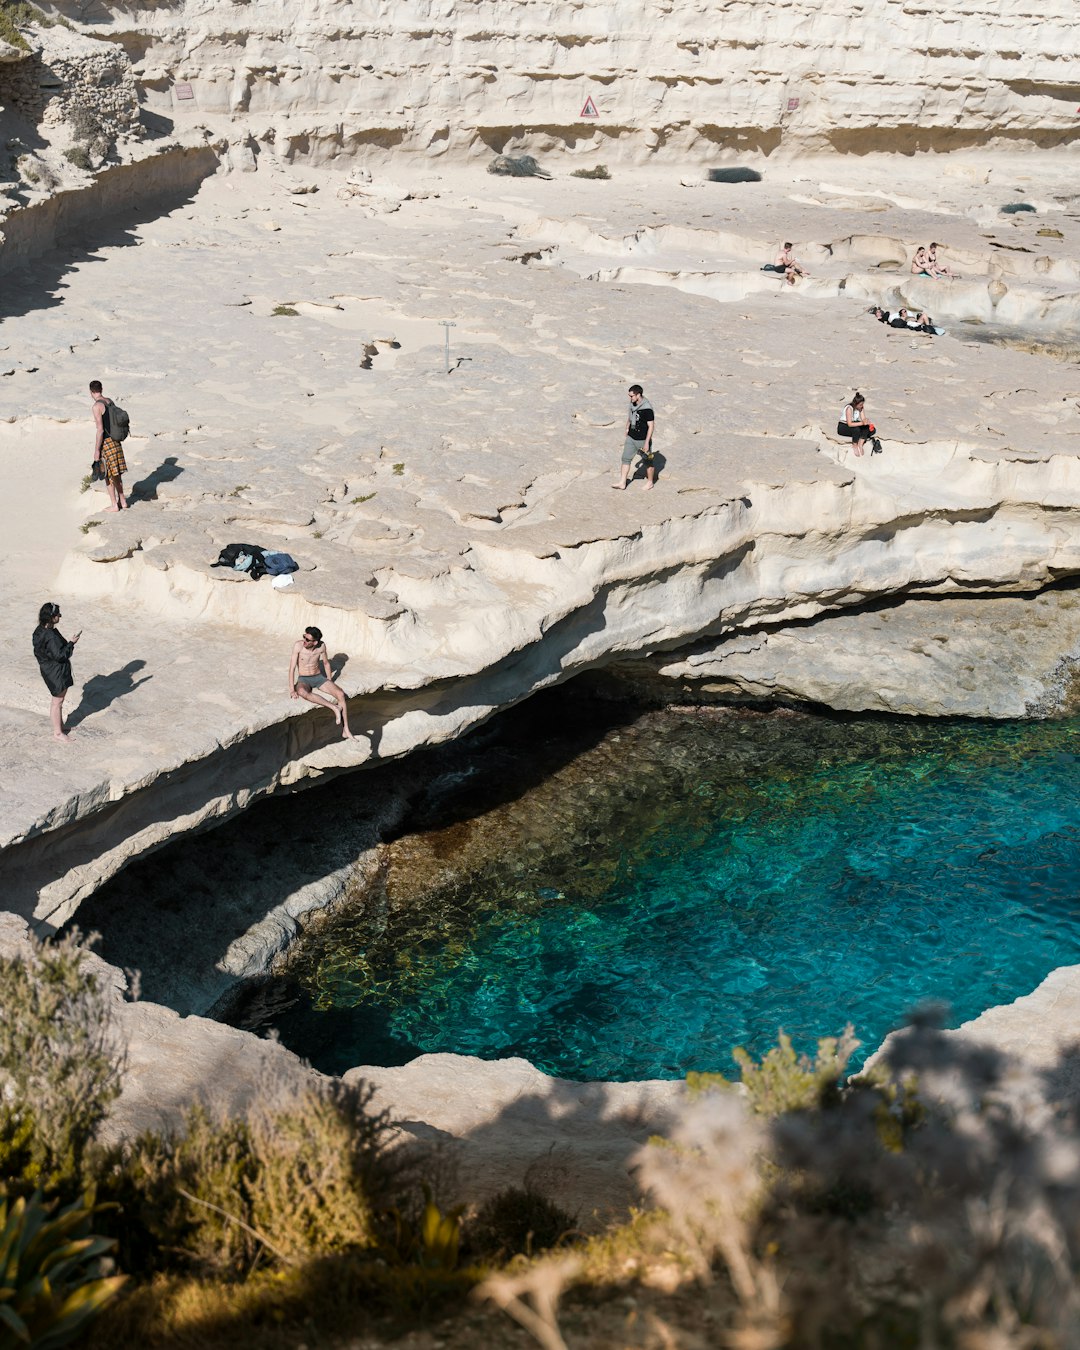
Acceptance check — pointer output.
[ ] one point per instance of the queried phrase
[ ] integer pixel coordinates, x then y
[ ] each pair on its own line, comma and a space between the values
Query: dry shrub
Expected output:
225, 1196
516, 166
60, 1066
85, 123
931, 1203
517, 1221
308, 1193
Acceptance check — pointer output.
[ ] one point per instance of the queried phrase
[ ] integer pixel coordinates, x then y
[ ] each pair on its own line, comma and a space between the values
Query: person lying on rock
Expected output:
904, 318
309, 671
921, 322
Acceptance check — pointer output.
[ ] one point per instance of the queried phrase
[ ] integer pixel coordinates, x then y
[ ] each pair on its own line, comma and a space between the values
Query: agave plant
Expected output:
50, 1280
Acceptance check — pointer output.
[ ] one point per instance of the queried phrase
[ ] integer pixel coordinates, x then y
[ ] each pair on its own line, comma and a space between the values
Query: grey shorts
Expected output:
312, 681
632, 448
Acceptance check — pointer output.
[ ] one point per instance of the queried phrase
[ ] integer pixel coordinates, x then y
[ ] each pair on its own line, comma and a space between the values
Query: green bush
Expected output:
518, 1221
61, 1064
51, 1280
79, 156
784, 1081
15, 13
11, 16
85, 124
226, 1196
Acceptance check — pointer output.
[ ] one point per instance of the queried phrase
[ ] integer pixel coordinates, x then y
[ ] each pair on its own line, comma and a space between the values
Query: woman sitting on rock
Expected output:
937, 269
920, 264
855, 426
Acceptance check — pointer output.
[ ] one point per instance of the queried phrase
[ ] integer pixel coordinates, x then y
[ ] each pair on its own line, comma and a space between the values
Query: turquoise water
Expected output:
765, 875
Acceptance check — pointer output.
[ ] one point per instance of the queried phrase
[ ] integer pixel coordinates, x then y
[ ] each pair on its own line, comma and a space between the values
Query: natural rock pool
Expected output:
691, 880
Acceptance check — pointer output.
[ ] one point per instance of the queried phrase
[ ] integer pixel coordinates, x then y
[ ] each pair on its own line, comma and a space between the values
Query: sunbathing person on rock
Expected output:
937, 269
786, 265
904, 318
309, 671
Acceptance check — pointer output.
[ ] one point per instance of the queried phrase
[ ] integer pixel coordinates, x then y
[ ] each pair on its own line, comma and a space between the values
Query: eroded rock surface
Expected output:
321, 80
458, 539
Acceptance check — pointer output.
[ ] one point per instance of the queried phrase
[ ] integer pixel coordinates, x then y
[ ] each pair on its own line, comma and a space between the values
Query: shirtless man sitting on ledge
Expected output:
309, 671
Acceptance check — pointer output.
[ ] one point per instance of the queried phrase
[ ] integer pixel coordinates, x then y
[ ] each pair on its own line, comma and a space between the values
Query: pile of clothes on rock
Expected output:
256, 562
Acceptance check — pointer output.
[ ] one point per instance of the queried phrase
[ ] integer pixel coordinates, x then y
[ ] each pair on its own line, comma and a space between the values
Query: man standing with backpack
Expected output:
111, 426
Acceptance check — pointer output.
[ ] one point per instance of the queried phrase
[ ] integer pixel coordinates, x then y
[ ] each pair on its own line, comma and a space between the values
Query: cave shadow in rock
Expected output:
146, 489
178, 916
101, 690
156, 125
174, 914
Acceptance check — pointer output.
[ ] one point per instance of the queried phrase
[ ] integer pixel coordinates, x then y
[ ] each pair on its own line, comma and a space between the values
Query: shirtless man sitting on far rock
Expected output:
305, 677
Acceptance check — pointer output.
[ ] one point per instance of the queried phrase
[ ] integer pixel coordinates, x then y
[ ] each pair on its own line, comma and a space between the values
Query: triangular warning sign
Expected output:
590, 109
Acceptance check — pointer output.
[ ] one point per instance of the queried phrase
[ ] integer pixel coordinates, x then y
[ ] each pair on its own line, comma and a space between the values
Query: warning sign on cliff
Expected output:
590, 108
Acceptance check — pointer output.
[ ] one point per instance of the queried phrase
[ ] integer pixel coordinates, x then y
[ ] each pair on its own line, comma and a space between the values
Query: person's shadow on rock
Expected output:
659, 463
101, 690
145, 490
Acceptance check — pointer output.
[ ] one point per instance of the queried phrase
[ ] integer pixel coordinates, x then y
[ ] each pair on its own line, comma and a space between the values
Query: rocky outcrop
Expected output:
490, 1125
1005, 657
67, 98
547, 601
74, 143
458, 539
319, 80
157, 182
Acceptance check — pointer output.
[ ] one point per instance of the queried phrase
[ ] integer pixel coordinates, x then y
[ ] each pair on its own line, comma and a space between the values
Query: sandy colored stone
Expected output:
458, 539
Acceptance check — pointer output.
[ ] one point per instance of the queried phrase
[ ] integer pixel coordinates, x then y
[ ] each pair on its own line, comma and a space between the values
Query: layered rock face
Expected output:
458, 539
320, 79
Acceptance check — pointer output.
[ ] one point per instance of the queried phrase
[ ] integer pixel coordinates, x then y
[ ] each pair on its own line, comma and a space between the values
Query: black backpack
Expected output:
119, 422
229, 554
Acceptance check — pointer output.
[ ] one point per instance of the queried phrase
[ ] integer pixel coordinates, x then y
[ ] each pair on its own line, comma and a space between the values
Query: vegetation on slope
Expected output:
928, 1202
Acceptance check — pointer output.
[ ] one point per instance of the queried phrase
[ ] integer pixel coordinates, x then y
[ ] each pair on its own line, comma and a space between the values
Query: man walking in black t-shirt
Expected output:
640, 425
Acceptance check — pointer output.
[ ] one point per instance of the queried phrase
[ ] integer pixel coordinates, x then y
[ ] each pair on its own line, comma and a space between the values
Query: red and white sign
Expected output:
184, 91
590, 109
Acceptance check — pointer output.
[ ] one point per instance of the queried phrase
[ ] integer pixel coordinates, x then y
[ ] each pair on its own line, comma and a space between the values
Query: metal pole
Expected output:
447, 325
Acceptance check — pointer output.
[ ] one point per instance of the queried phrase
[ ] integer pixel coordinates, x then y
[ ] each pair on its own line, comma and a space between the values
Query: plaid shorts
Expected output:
112, 458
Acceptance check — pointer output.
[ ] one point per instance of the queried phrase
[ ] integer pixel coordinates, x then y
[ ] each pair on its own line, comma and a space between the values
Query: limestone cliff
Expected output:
322, 78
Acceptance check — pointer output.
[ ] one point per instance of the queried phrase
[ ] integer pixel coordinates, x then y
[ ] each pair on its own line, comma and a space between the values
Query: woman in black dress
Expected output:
54, 657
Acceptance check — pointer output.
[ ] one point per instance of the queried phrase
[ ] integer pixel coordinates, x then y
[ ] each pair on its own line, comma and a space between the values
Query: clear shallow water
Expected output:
725, 878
